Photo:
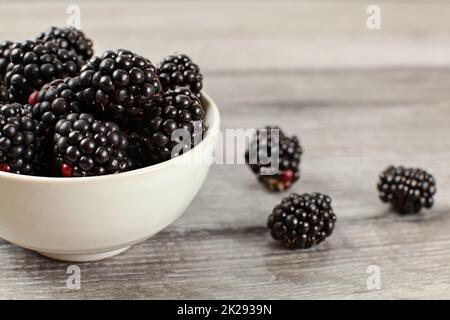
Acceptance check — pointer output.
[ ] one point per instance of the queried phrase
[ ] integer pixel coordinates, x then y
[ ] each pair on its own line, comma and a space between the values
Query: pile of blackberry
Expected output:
274, 158
302, 221
407, 189
68, 113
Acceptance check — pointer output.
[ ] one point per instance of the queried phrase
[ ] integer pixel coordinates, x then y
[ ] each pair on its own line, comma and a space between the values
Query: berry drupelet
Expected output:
286, 163
119, 85
4, 94
34, 64
54, 100
84, 146
301, 221
178, 109
19, 139
178, 70
71, 39
407, 189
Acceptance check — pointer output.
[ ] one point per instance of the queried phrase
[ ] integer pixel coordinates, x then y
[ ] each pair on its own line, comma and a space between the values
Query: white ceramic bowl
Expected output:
92, 218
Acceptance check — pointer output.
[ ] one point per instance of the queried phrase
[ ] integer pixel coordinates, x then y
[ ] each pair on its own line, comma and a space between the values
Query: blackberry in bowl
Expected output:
33, 64
84, 146
179, 109
20, 139
71, 39
95, 217
178, 70
119, 85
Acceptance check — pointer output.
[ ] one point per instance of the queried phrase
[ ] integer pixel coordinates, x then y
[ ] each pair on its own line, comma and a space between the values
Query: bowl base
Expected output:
83, 257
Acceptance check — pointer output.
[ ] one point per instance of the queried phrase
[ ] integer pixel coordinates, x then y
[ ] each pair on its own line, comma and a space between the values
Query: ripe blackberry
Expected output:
178, 109
5, 48
71, 39
119, 84
34, 64
407, 189
84, 146
286, 167
19, 139
178, 70
301, 221
54, 100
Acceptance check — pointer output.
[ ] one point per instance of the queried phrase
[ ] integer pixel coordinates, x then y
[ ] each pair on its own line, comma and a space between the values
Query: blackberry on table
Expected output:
119, 85
54, 100
19, 139
407, 189
71, 39
178, 109
287, 163
84, 146
301, 221
34, 64
178, 70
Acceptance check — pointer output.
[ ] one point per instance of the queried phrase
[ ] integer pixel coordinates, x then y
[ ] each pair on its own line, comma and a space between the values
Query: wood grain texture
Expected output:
359, 101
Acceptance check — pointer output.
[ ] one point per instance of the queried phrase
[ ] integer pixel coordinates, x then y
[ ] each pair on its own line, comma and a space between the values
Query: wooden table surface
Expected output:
359, 99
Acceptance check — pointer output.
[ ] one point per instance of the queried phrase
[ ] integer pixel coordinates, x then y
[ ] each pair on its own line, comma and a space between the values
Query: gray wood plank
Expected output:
352, 125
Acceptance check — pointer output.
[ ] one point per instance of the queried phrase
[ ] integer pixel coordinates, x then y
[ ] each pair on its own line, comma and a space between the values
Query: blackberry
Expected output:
407, 189
178, 70
118, 85
19, 139
285, 170
84, 146
301, 221
54, 100
71, 39
34, 64
5, 49
178, 109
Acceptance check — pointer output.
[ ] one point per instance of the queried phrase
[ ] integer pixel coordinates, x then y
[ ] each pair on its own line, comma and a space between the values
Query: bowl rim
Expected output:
212, 113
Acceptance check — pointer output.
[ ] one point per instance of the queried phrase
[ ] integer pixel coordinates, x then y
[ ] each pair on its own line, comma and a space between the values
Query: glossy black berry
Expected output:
274, 158
407, 189
70, 39
178, 70
174, 125
19, 139
56, 99
119, 85
33, 64
84, 146
301, 221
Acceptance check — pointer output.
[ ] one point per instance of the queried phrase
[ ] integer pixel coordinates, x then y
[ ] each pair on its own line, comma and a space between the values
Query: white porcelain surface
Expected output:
85, 219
